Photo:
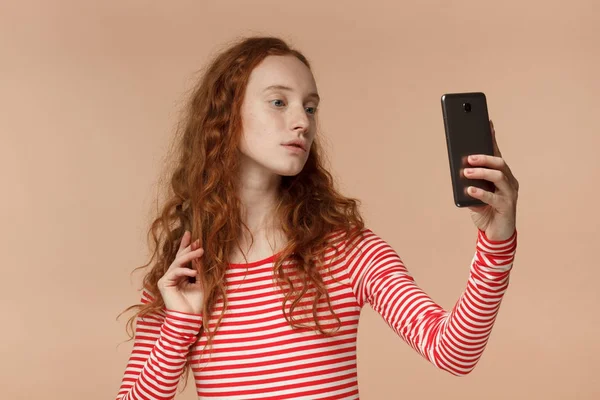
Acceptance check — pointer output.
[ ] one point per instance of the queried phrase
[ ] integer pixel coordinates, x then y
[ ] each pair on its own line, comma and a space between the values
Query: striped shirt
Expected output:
257, 355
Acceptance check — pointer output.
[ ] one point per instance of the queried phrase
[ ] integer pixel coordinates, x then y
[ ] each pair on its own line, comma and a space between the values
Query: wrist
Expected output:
496, 245
499, 236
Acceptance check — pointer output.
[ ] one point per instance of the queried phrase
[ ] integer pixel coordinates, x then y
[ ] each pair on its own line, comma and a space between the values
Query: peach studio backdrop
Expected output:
89, 94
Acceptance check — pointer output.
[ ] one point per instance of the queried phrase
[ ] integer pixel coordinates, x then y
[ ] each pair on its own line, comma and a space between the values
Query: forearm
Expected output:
460, 338
159, 356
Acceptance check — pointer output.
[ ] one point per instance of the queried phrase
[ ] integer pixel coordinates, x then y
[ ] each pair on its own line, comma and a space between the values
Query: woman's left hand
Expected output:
498, 217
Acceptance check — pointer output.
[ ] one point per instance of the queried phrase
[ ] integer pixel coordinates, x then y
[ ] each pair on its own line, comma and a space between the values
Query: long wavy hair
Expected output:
201, 196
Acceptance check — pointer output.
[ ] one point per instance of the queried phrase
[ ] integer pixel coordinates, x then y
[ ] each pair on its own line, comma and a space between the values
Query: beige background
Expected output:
89, 95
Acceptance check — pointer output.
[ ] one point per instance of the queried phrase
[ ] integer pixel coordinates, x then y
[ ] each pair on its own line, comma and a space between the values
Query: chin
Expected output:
290, 173
288, 170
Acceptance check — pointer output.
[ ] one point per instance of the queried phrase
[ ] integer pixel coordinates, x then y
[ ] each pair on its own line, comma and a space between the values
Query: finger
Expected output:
184, 245
497, 152
484, 160
189, 247
186, 258
184, 240
496, 176
173, 278
194, 247
483, 195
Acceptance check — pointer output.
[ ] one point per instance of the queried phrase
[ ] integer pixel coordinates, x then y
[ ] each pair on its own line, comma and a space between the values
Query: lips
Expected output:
296, 143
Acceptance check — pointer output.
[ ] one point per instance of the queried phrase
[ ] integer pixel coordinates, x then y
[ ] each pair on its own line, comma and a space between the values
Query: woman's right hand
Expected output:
176, 290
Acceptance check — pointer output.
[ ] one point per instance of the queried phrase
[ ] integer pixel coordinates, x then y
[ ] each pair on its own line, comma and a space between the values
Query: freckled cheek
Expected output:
271, 127
260, 136
253, 129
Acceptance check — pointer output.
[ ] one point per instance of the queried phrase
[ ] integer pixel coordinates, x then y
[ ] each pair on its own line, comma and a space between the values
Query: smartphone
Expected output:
467, 126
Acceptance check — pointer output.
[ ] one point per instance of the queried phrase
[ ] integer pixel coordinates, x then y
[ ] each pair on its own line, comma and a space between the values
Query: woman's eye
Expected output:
311, 110
278, 103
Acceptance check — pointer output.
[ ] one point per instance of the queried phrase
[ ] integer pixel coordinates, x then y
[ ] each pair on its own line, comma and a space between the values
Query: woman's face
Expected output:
279, 107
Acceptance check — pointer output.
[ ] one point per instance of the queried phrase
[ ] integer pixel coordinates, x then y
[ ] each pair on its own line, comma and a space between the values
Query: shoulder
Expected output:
356, 238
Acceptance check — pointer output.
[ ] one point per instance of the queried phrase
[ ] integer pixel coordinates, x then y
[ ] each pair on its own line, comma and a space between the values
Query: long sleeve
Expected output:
160, 349
451, 340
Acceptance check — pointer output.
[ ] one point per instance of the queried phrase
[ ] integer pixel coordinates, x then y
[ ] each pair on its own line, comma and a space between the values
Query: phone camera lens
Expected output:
467, 107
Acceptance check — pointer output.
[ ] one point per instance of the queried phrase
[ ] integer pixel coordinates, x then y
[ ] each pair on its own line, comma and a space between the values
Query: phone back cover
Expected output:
466, 133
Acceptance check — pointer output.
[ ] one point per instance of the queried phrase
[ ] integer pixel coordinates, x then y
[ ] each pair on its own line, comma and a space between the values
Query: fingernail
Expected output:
472, 190
468, 171
473, 158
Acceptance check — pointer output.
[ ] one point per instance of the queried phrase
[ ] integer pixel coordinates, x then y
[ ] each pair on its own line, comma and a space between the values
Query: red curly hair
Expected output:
202, 197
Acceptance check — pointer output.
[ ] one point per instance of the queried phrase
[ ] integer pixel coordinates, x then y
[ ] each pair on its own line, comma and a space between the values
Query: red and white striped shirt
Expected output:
257, 355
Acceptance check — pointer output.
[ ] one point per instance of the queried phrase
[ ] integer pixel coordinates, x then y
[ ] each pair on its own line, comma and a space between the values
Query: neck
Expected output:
259, 193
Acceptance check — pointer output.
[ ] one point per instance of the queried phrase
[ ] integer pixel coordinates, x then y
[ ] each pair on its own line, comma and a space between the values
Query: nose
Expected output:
299, 120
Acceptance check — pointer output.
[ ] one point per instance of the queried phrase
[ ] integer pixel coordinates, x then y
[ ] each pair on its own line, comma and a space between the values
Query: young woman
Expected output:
261, 267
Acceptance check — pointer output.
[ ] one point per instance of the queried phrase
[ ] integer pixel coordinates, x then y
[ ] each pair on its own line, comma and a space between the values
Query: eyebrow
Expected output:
289, 89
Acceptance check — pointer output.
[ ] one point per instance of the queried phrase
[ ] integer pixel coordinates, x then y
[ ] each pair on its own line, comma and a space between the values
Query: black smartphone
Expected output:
467, 126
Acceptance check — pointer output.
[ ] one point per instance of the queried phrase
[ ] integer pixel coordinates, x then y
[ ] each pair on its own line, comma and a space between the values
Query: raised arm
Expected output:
451, 340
